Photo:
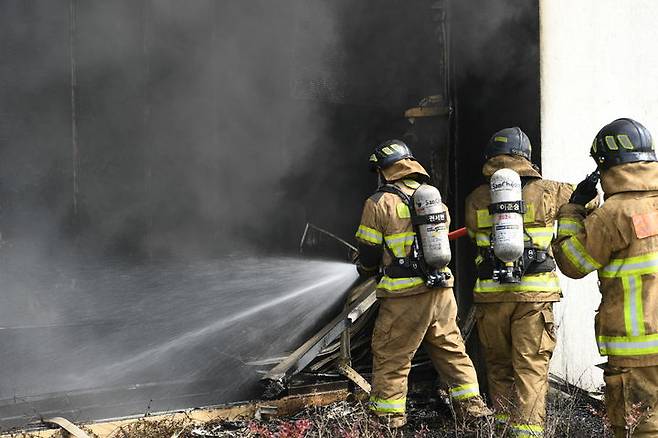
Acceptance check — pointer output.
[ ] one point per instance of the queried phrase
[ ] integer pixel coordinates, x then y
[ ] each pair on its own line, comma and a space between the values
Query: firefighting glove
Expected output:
367, 259
586, 190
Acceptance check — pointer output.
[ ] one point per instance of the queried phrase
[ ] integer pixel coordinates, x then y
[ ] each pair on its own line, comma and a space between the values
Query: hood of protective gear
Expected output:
630, 177
518, 164
403, 169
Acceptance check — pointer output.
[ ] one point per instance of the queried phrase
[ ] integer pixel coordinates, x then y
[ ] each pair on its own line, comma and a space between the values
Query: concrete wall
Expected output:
598, 62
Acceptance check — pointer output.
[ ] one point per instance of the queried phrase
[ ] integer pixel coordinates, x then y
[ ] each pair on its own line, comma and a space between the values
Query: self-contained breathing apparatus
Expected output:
510, 255
430, 250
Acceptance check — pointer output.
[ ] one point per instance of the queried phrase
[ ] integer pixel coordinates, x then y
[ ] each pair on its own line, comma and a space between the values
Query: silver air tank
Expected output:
433, 227
507, 209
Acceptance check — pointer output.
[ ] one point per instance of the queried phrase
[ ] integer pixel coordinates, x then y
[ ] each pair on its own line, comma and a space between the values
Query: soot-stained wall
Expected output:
155, 127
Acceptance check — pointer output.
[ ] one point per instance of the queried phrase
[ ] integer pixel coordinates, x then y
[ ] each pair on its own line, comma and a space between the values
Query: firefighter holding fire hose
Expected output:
510, 219
620, 241
403, 235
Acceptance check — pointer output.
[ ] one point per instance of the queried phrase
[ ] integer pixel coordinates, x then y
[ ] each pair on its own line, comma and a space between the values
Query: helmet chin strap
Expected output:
380, 178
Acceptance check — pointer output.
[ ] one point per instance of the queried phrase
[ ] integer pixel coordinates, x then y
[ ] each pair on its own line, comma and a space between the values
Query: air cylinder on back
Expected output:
432, 226
507, 210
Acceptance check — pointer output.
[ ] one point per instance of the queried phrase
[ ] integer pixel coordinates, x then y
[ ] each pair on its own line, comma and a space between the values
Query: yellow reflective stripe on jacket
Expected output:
403, 210
485, 220
526, 430
388, 405
633, 306
544, 282
541, 236
578, 256
411, 183
569, 227
638, 265
369, 235
394, 284
482, 239
398, 243
628, 345
465, 391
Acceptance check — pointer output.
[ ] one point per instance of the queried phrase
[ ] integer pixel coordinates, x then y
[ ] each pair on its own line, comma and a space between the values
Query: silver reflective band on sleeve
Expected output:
369, 235
576, 253
569, 227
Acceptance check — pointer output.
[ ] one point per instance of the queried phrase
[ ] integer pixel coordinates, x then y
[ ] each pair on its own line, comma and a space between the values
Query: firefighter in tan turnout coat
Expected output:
515, 320
410, 313
620, 241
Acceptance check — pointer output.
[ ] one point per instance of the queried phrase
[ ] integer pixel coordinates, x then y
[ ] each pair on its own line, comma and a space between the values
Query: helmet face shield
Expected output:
622, 141
388, 153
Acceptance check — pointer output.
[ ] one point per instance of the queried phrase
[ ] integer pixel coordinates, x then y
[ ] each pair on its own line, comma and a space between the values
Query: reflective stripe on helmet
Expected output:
369, 235
578, 256
544, 282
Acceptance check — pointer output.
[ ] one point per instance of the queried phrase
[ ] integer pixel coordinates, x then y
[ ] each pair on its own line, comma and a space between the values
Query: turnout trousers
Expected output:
631, 400
518, 340
402, 325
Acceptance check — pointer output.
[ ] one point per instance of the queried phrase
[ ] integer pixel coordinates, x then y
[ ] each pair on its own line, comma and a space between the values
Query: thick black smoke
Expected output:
161, 128
155, 127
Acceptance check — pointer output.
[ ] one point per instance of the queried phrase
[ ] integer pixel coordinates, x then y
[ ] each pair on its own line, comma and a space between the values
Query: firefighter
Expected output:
620, 241
410, 312
515, 319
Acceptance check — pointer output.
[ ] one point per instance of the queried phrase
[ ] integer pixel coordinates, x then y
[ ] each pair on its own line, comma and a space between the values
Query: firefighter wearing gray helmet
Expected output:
514, 310
412, 308
619, 240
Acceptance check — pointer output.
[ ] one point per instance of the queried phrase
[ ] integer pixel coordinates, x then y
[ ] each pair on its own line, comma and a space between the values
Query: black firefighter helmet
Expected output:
508, 141
622, 141
388, 153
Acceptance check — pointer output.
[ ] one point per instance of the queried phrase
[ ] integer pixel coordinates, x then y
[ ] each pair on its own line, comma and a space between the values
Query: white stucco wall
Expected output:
599, 62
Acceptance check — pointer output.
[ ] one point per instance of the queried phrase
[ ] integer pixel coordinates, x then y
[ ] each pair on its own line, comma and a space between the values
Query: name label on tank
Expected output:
436, 218
508, 207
